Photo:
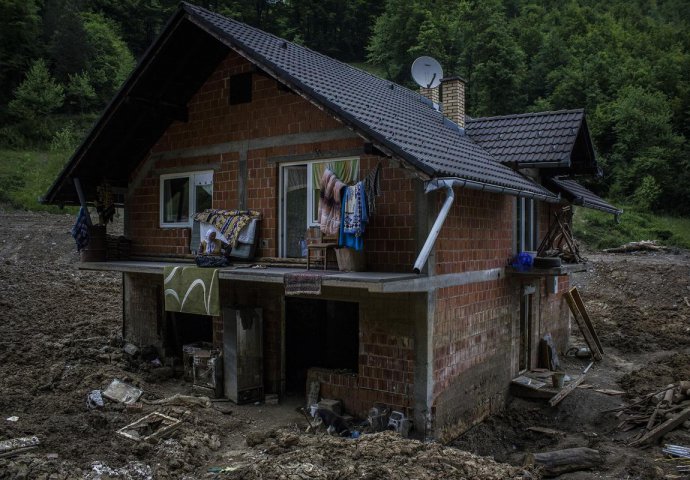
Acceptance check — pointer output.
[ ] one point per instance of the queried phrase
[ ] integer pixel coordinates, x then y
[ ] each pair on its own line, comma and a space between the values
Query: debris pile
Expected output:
658, 413
286, 454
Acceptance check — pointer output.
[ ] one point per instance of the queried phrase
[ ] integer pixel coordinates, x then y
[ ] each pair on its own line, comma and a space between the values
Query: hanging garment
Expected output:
372, 188
80, 230
330, 202
354, 217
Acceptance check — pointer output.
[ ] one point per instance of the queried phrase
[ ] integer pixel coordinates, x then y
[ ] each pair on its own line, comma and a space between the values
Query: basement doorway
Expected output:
184, 329
319, 333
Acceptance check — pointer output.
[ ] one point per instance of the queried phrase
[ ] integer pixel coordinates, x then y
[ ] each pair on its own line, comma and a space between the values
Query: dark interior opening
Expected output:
185, 328
319, 333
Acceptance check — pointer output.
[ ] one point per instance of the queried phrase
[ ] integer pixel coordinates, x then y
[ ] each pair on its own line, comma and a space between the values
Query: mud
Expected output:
60, 338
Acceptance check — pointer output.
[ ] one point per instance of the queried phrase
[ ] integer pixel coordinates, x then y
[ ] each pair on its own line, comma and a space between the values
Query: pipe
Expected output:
448, 183
436, 228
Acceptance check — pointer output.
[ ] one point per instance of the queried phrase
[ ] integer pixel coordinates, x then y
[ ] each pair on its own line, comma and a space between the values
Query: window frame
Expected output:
523, 228
191, 201
282, 204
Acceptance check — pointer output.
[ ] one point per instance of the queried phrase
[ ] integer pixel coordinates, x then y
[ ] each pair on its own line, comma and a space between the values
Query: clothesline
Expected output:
344, 210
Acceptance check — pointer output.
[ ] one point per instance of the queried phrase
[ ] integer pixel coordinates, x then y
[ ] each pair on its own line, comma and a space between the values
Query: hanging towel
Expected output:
191, 290
80, 230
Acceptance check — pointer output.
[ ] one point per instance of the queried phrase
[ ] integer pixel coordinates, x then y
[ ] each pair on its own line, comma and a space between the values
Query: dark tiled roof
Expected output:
579, 195
392, 116
545, 137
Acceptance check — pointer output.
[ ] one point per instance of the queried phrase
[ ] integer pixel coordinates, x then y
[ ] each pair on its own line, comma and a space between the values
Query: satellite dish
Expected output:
427, 72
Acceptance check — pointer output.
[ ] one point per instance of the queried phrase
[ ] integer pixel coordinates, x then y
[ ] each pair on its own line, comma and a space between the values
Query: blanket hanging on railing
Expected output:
191, 290
228, 222
329, 202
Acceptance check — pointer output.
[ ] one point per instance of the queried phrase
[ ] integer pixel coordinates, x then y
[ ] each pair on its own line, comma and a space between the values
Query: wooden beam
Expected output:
565, 391
593, 347
663, 429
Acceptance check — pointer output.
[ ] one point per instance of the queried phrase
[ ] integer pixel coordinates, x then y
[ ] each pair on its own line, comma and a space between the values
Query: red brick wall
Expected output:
389, 238
476, 326
143, 309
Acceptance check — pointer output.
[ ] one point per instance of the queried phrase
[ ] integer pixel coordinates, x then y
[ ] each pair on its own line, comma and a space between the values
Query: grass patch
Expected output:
26, 175
599, 230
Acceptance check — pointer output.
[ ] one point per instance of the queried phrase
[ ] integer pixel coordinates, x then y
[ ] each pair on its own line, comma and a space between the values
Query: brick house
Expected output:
436, 326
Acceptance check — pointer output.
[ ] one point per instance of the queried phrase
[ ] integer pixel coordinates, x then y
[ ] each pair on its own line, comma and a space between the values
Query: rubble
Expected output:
378, 455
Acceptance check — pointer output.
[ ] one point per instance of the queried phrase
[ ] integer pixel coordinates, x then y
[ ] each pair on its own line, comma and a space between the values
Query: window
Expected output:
526, 225
182, 195
299, 196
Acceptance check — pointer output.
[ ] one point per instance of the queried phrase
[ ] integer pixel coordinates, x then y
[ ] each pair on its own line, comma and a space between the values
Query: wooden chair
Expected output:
319, 245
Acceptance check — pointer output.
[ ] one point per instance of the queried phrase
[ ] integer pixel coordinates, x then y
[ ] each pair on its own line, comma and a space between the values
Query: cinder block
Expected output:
334, 406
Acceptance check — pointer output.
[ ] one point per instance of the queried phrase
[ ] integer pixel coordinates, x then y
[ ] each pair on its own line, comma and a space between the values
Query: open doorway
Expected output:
185, 329
319, 333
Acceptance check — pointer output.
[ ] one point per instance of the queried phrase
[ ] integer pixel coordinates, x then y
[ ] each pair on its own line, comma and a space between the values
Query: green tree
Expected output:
110, 62
19, 43
34, 100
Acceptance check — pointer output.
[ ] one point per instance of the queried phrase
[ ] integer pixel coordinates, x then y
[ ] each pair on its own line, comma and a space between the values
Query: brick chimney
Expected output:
453, 99
430, 93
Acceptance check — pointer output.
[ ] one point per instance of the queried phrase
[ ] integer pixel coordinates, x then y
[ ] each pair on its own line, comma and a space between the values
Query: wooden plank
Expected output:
15, 446
580, 304
583, 327
565, 391
663, 429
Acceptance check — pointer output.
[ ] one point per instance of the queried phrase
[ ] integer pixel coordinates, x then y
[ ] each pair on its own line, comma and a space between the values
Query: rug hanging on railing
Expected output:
305, 282
191, 290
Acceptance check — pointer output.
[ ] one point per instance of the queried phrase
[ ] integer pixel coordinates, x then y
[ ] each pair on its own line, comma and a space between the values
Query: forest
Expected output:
626, 62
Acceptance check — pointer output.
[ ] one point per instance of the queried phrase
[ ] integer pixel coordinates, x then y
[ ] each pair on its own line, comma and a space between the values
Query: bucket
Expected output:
350, 260
95, 250
558, 379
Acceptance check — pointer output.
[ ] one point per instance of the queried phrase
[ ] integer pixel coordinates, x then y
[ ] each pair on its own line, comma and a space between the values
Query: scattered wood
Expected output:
558, 462
585, 316
644, 245
15, 446
549, 432
153, 426
608, 391
178, 399
585, 325
663, 429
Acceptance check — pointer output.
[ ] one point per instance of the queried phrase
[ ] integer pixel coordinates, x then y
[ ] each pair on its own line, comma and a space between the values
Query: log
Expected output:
663, 429
558, 462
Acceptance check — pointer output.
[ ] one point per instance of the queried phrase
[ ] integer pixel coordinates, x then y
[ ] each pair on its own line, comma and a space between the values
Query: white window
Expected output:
299, 198
184, 194
526, 225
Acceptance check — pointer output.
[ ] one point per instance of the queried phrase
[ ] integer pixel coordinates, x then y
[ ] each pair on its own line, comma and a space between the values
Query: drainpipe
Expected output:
436, 228
448, 184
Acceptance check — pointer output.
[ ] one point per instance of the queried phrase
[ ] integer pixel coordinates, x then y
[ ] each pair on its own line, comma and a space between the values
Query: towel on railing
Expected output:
228, 222
191, 290
80, 230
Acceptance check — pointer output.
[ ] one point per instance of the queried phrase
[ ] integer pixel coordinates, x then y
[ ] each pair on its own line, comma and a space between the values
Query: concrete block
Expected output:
334, 406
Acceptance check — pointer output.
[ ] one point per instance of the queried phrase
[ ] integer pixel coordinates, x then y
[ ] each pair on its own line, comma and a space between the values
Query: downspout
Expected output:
436, 228
448, 184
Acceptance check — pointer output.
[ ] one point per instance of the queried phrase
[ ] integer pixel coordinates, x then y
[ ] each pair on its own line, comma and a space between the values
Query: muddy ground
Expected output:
60, 337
